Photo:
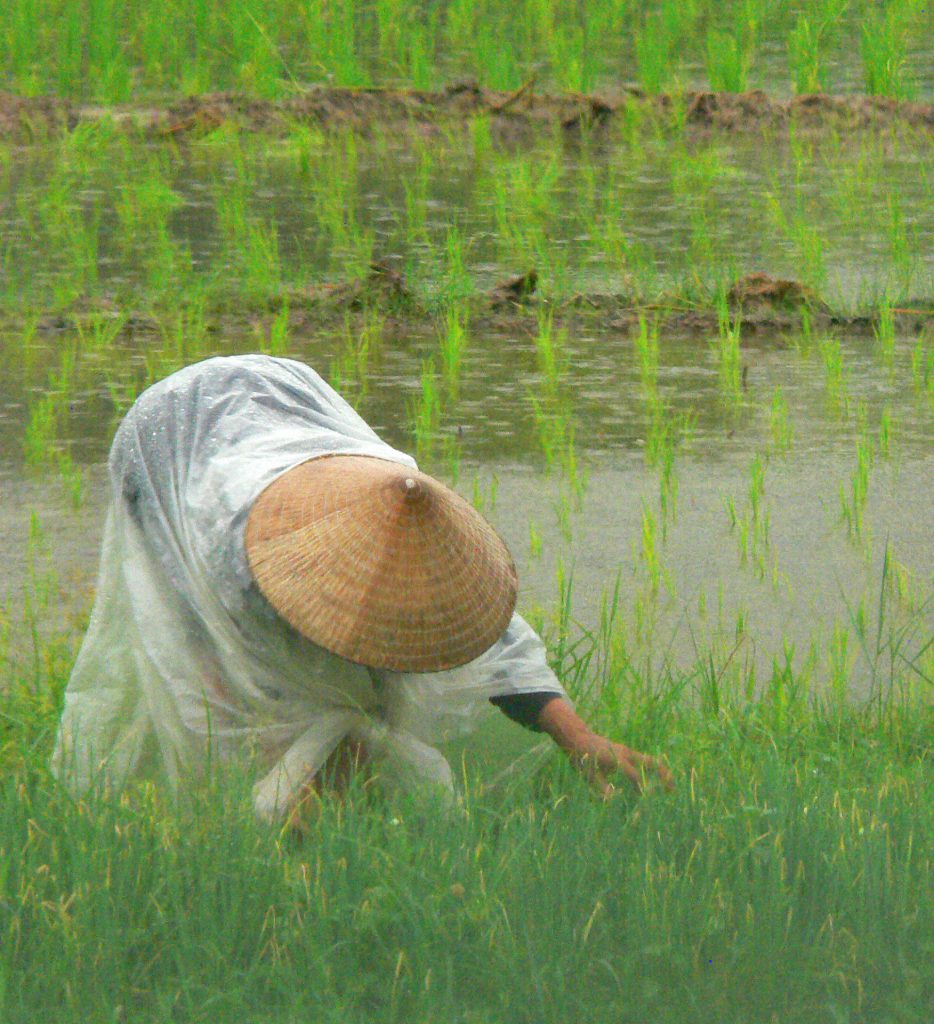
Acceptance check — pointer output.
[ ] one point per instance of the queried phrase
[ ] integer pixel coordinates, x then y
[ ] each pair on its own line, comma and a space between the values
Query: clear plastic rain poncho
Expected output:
184, 658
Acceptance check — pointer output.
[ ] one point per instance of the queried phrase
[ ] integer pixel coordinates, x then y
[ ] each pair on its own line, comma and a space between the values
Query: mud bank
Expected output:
363, 109
764, 305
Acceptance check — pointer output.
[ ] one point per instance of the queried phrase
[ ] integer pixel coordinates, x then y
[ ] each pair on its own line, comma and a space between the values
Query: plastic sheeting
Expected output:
185, 660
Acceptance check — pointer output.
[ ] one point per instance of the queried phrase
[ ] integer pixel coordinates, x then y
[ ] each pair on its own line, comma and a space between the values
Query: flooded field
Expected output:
639, 210
781, 505
761, 480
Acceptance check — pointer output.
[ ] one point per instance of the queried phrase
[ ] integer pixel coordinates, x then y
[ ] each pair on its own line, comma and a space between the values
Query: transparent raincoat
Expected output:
184, 659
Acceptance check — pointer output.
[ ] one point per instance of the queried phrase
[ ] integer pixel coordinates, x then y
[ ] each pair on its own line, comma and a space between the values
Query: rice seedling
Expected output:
886, 433
693, 177
804, 52
922, 369
666, 432
571, 56
456, 281
551, 426
144, 204
903, 588
882, 47
336, 203
535, 541
69, 228
649, 554
903, 248
275, 341
575, 474
625, 255
453, 339
306, 145
853, 503
729, 358
730, 53
562, 509
550, 406
756, 493
523, 205
49, 413
416, 188
854, 167
646, 347
835, 375
805, 239
654, 46
483, 496
250, 243
330, 38
481, 139
814, 32
48, 417
752, 526
186, 333
361, 345
425, 413
99, 332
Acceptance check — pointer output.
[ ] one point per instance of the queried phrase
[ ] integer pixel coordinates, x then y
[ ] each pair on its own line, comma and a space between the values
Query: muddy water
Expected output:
810, 578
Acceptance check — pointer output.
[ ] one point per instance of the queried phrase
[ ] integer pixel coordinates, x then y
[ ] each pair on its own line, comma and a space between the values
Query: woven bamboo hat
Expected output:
381, 564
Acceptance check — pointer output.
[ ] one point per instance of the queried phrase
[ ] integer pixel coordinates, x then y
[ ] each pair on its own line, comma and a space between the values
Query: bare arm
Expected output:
598, 759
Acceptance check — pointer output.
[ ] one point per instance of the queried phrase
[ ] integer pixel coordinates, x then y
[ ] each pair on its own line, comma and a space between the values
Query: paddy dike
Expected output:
511, 112
764, 305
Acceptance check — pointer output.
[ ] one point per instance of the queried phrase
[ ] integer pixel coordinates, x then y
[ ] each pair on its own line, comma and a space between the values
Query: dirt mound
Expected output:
515, 290
383, 287
760, 293
22, 116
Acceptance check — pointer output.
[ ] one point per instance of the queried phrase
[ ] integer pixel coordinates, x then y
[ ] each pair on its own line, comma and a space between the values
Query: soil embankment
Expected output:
362, 109
765, 305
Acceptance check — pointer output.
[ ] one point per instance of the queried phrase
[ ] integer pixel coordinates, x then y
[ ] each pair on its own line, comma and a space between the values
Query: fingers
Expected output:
603, 761
604, 780
639, 769
654, 766
665, 775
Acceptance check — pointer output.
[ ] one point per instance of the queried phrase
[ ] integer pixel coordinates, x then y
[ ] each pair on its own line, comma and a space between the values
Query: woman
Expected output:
276, 580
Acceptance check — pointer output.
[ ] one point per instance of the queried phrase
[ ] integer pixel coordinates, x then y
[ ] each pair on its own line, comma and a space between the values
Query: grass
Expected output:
785, 878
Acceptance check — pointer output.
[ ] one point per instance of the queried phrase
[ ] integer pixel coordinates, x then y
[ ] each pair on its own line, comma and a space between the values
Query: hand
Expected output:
602, 762
599, 760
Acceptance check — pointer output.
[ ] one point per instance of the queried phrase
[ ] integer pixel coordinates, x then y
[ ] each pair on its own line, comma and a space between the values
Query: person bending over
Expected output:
278, 582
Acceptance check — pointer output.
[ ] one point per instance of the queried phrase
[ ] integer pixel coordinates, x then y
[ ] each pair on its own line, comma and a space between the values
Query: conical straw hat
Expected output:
381, 564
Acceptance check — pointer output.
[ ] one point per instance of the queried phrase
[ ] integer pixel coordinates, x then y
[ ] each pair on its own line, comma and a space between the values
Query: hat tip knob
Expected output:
411, 489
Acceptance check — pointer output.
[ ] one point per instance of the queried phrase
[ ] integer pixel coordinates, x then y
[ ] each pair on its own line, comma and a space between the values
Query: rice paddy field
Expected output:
652, 284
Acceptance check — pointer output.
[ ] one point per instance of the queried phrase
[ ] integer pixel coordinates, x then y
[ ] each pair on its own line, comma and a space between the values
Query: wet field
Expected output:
773, 514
